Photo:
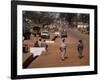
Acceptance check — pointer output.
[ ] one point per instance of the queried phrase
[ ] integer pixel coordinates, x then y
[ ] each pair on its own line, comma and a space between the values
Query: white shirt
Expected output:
39, 43
63, 45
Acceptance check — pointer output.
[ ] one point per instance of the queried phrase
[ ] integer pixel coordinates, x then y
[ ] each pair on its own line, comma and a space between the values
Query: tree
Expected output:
38, 17
69, 17
84, 18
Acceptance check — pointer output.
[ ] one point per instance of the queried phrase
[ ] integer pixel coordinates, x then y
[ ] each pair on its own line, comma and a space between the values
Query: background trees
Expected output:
32, 18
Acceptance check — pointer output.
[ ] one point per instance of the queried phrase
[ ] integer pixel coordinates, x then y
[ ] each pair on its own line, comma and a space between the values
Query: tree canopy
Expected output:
46, 18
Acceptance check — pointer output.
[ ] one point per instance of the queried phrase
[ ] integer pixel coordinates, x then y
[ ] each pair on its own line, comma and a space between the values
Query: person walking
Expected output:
36, 44
80, 47
63, 47
40, 43
44, 44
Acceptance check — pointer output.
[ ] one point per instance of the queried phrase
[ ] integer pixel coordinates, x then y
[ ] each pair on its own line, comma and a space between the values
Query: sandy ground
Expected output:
52, 58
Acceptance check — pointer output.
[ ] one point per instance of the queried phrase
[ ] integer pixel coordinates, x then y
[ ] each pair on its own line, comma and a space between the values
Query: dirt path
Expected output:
52, 58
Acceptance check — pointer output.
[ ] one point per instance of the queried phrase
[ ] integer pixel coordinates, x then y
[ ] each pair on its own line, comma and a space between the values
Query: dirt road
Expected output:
52, 57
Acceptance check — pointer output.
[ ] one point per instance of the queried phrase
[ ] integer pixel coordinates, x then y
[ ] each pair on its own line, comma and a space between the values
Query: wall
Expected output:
5, 30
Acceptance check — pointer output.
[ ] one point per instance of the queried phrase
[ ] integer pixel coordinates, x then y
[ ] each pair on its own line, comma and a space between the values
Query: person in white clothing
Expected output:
63, 47
40, 43
44, 44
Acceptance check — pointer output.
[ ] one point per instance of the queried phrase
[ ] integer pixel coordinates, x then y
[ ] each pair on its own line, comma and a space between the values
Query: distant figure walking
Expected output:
36, 44
80, 47
44, 44
63, 47
40, 43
